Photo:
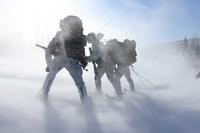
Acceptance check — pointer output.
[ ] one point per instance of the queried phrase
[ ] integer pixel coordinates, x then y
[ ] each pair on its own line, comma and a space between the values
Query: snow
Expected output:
172, 106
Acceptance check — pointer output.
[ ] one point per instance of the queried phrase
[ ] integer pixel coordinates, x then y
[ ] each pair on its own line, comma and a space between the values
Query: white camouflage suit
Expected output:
104, 65
123, 67
62, 61
125, 71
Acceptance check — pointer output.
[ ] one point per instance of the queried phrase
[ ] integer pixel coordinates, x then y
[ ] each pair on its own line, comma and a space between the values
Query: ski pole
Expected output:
142, 77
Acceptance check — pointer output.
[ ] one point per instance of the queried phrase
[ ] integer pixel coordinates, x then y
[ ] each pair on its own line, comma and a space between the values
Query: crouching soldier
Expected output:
69, 53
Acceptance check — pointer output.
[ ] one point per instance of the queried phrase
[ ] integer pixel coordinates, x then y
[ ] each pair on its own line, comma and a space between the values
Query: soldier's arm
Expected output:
48, 57
49, 53
96, 54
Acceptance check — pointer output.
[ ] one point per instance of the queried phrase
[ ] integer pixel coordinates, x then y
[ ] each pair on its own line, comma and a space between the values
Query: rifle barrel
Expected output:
40, 46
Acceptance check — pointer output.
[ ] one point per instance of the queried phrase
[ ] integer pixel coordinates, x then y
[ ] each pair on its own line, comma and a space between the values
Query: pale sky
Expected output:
26, 22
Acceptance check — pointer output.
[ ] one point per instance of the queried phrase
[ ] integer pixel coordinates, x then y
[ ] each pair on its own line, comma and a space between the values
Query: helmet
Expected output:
71, 22
91, 37
99, 36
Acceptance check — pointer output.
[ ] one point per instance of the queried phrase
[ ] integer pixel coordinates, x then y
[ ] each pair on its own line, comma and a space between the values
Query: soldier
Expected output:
68, 48
128, 58
104, 63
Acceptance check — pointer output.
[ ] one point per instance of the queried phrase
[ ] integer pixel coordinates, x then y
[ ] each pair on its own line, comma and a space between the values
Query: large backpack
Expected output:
121, 53
130, 51
75, 47
74, 40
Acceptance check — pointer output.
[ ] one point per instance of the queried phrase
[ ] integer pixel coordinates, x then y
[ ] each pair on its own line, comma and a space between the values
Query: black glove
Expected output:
47, 69
84, 63
87, 58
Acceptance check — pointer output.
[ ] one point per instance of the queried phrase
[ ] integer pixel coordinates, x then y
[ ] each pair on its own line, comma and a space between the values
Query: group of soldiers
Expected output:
67, 50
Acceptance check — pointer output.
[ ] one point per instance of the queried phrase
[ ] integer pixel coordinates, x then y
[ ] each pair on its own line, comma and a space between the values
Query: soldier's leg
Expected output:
98, 75
119, 73
75, 70
127, 75
56, 66
114, 81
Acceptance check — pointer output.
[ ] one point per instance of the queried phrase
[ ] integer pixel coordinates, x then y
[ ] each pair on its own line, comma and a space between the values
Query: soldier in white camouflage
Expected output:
128, 57
69, 53
102, 63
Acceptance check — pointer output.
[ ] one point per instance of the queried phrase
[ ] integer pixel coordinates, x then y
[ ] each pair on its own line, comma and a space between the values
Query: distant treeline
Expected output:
192, 46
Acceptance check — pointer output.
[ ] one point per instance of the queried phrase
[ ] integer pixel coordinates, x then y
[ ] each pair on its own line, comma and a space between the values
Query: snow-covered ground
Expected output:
171, 106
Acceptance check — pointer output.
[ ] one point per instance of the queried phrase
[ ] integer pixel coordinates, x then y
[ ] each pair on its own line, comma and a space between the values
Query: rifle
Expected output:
40, 46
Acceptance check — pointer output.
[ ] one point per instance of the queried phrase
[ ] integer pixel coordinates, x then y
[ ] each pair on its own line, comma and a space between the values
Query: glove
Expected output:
84, 63
88, 59
47, 69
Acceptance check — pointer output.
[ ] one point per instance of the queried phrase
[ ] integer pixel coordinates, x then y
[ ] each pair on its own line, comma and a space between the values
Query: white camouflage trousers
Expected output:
109, 70
74, 69
125, 71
